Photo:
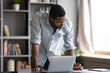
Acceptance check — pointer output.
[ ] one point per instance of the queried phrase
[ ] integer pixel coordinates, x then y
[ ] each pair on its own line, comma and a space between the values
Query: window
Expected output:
100, 13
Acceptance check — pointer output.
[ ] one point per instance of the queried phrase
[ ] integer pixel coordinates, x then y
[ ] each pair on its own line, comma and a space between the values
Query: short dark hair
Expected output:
57, 11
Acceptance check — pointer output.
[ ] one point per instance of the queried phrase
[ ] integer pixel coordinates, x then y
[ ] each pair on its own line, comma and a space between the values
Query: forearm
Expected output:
70, 52
35, 53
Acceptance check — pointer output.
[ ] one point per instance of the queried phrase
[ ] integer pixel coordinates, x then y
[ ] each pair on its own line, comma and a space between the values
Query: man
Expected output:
46, 31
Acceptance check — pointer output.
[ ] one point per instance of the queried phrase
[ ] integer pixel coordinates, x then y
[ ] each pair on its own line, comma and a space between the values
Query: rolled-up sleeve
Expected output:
68, 38
35, 30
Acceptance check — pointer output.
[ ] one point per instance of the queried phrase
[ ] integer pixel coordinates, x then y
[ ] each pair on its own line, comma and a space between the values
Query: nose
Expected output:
61, 24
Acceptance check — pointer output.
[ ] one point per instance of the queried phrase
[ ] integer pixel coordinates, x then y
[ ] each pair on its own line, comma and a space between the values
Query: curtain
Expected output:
84, 27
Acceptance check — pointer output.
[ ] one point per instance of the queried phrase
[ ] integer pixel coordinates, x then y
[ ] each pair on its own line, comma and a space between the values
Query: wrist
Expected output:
33, 66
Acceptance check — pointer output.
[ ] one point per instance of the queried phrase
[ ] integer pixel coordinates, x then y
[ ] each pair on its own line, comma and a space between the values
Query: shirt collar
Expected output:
48, 19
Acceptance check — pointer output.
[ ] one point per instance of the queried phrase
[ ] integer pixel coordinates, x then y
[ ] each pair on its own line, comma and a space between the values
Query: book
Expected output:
5, 47
17, 49
8, 50
6, 30
22, 66
18, 65
24, 62
13, 49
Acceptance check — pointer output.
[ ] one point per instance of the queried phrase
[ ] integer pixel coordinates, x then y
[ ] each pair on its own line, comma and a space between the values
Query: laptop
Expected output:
61, 63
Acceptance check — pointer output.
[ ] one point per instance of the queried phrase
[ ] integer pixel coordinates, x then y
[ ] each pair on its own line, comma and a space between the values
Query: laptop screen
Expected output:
61, 63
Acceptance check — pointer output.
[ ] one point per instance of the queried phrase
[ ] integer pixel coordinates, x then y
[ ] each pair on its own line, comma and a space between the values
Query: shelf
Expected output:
42, 3
18, 22
17, 37
16, 56
7, 10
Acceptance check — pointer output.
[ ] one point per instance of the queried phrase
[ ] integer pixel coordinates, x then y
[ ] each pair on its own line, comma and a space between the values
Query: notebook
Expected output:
61, 63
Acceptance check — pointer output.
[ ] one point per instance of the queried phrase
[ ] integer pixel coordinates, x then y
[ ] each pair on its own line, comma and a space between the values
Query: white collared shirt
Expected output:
42, 33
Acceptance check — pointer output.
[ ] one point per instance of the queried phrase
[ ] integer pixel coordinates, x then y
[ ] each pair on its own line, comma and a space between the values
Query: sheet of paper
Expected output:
24, 71
100, 70
84, 70
92, 71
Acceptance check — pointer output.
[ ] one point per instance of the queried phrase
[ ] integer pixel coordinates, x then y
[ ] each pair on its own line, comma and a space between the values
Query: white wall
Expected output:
70, 7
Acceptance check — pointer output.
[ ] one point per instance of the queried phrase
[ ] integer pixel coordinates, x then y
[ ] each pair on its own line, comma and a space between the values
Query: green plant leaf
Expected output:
16, 1
77, 52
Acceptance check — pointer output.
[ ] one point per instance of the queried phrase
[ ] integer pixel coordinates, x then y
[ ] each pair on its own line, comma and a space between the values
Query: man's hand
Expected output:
37, 69
78, 67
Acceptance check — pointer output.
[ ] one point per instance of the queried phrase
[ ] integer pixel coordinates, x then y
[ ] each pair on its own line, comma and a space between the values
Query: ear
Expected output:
51, 19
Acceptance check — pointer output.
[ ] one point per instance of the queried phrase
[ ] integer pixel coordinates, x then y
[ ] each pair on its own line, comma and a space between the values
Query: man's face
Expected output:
58, 22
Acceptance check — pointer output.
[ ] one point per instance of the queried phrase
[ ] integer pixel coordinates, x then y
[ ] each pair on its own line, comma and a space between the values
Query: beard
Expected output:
54, 25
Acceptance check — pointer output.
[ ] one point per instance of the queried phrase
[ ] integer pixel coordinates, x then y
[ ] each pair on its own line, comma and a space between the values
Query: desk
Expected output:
76, 71
59, 72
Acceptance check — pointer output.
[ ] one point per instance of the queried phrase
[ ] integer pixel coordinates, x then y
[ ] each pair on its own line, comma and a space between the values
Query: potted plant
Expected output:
77, 53
16, 4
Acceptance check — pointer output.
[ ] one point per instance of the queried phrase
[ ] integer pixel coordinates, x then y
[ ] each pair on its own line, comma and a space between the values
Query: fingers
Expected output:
81, 67
78, 67
41, 69
37, 69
